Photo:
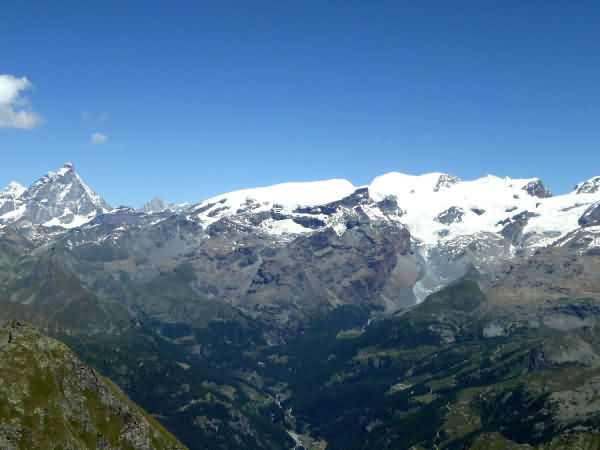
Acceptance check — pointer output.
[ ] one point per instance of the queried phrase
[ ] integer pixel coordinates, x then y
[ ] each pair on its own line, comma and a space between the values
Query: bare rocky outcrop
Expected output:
591, 216
451, 215
536, 188
589, 187
445, 181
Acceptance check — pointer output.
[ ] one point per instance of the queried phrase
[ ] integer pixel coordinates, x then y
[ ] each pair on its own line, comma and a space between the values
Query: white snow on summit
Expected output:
9, 196
286, 197
484, 202
14, 189
58, 198
436, 207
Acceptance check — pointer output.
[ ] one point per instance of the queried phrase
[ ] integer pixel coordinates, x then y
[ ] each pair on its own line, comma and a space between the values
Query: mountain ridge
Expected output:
452, 224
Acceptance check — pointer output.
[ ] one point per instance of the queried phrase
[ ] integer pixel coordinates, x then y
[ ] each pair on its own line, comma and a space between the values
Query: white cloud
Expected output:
98, 138
14, 109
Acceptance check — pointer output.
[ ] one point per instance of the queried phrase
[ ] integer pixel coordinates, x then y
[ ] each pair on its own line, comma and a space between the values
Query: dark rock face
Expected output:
358, 197
451, 215
258, 218
513, 227
591, 216
322, 269
389, 206
478, 211
309, 222
205, 208
216, 211
589, 187
536, 189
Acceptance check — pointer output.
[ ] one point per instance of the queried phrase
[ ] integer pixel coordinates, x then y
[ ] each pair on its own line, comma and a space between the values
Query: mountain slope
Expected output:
438, 376
50, 399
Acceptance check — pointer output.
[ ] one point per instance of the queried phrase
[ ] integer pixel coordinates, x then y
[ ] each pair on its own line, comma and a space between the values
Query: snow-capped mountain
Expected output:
454, 225
9, 196
57, 199
159, 205
436, 208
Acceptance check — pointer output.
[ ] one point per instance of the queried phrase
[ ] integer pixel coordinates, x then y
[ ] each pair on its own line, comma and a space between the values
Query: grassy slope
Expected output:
47, 400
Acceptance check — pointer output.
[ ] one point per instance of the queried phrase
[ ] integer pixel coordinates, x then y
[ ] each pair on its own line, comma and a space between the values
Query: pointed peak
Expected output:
67, 168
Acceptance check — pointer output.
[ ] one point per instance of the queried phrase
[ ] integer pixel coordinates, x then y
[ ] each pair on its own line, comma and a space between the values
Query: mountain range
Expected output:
411, 234
284, 314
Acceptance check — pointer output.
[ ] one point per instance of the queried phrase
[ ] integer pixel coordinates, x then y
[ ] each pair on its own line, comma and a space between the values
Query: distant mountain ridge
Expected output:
449, 224
434, 207
159, 205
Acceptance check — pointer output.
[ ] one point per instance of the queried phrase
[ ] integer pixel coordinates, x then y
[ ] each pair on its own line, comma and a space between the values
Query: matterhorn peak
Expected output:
58, 198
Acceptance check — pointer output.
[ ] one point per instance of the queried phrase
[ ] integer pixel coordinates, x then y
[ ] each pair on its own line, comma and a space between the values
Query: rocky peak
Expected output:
451, 215
536, 188
445, 181
60, 195
590, 186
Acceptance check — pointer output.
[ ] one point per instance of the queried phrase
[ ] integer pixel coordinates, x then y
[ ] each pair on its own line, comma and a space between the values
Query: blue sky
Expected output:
198, 98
